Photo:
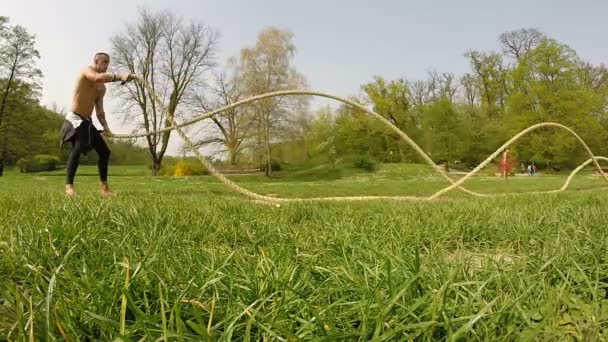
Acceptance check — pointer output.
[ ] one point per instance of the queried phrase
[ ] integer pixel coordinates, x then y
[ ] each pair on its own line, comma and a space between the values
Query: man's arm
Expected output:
99, 111
105, 77
94, 76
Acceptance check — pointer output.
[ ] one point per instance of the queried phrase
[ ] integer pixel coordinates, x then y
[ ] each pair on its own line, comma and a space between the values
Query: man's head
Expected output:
101, 61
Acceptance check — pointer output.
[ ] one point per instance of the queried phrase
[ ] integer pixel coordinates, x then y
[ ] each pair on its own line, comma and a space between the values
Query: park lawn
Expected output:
190, 259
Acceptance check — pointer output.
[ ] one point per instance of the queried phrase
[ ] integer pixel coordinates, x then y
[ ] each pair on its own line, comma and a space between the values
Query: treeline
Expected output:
467, 117
464, 118
456, 119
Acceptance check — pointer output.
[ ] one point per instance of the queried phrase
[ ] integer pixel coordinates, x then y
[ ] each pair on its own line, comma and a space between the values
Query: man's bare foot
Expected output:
106, 193
105, 190
69, 190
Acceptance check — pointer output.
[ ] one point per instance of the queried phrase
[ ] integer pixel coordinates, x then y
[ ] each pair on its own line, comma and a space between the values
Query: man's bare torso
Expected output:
86, 95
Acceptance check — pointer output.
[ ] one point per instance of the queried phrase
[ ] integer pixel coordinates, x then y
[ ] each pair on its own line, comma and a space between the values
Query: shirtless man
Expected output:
78, 127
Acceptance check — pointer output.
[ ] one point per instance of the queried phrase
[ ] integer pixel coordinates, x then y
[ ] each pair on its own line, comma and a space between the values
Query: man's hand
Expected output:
106, 131
126, 77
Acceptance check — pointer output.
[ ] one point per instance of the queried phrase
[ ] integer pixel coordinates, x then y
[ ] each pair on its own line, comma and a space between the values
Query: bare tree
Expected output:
595, 78
518, 42
448, 86
233, 126
171, 55
434, 87
421, 92
469, 86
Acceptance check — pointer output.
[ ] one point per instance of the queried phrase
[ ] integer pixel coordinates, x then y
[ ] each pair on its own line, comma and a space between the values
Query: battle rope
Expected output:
274, 200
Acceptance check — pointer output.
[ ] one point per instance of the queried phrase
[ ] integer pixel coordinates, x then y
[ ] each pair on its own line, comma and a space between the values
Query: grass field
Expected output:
186, 259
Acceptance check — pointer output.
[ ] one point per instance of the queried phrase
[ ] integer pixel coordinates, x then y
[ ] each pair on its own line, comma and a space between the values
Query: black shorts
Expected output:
86, 134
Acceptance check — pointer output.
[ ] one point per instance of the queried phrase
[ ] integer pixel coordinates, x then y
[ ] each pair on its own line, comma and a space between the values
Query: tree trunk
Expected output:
267, 143
264, 127
233, 156
3, 146
259, 136
401, 153
7, 90
267, 170
3, 143
446, 166
156, 168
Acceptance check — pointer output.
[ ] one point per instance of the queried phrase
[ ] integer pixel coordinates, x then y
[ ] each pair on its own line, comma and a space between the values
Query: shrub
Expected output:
274, 166
365, 163
38, 163
166, 169
189, 167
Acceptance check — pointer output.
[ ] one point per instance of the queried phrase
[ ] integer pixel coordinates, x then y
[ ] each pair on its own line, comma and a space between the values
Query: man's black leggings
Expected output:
85, 138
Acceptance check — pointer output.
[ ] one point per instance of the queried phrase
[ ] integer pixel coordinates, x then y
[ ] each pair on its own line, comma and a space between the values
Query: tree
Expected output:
592, 77
448, 86
32, 129
321, 138
356, 133
290, 142
3, 22
491, 76
233, 126
266, 67
421, 92
518, 43
171, 55
18, 56
470, 89
392, 101
445, 135
547, 87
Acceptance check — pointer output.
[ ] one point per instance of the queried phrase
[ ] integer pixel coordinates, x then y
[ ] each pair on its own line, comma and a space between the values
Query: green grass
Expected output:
203, 263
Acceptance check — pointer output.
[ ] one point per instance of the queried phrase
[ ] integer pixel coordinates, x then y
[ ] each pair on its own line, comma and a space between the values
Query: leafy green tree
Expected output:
321, 139
446, 137
19, 77
392, 100
548, 87
492, 78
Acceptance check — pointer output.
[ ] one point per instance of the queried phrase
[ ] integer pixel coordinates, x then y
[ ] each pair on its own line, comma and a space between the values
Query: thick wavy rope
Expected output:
275, 200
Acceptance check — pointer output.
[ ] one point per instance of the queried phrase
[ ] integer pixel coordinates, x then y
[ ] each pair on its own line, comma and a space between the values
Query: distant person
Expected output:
505, 164
78, 126
532, 169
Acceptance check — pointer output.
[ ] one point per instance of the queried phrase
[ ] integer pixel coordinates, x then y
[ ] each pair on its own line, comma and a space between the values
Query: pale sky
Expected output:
340, 44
